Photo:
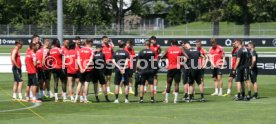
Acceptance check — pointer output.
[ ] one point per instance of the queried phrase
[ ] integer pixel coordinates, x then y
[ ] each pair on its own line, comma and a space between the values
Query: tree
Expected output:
119, 12
215, 13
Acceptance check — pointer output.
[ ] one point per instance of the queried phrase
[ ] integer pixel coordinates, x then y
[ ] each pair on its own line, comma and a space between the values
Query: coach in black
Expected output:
145, 66
98, 72
194, 71
253, 68
240, 68
120, 60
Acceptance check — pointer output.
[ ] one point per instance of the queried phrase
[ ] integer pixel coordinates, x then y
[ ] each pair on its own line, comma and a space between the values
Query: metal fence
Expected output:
140, 30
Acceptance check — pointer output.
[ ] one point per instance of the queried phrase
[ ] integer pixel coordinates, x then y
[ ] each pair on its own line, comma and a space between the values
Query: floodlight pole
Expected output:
60, 20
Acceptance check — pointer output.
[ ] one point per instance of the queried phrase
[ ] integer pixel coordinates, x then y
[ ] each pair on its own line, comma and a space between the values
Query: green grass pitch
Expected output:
215, 111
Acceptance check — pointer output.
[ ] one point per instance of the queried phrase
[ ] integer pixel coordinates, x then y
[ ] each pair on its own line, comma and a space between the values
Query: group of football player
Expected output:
78, 62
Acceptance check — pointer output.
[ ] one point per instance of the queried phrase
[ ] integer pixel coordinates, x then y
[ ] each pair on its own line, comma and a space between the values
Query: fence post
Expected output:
73, 28
259, 29
186, 28
51, 30
8, 29
95, 29
30, 29
235, 30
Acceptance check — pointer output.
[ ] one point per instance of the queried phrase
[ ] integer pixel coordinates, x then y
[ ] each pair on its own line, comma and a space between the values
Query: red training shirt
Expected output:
173, 53
39, 56
17, 57
155, 49
108, 52
29, 60
131, 53
203, 53
216, 53
71, 61
56, 56
234, 57
85, 55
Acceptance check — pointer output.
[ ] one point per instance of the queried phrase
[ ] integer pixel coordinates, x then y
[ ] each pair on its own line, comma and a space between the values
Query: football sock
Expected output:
14, 95
31, 94
20, 95
145, 88
81, 98
191, 96
85, 97
175, 96
239, 95
43, 93
141, 98
126, 96
186, 95
216, 91
106, 97
256, 94
76, 97
64, 96
228, 91
116, 96
220, 90
249, 93
202, 95
154, 87
56, 95
72, 97
97, 98
152, 98
243, 93
167, 96
130, 88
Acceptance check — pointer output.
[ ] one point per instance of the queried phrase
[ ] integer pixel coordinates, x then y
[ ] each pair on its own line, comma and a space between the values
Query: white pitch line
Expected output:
20, 109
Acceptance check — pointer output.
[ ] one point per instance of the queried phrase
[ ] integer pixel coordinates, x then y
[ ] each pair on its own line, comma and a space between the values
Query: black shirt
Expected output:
147, 56
99, 60
249, 58
120, 57
243, 55
254, 53
193, 55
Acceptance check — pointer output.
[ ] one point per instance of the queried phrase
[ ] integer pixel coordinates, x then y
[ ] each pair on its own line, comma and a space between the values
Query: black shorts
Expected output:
17, 74
98, 76
232, 74
119, 77
185, 75
33, 80
195, 76
156, 67
43, 75
86, 77
137, 79
59, 74
108, 69
246, 73
73, 75
147, 75
216, 72
174, 74
253, 75
241, 74
130, 74
202, 72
